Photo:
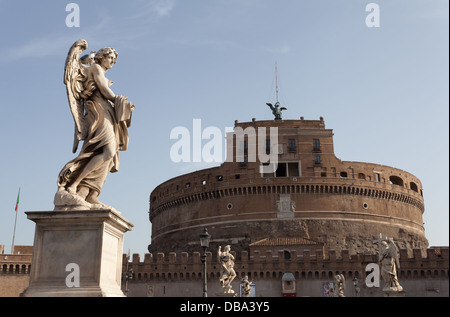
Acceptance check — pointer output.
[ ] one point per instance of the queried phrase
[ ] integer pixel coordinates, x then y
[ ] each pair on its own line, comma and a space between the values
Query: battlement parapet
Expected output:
268, 264
15, 264
433, 254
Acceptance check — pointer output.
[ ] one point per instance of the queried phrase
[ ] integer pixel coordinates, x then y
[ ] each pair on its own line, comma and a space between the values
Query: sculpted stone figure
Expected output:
102, 119
340, 284
227, 275
246, 286
388, 258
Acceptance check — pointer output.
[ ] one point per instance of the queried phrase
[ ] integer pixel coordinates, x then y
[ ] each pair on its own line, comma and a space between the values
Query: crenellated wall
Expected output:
177, 272
14, 271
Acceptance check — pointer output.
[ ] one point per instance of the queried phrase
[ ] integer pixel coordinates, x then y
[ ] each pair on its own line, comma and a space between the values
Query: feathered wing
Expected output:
394, 253
74, 77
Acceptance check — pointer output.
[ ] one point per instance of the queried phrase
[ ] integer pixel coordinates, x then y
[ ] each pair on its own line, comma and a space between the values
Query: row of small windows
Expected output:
292, 146
15, 269
297, 274
299, 189
292, 169
251, 275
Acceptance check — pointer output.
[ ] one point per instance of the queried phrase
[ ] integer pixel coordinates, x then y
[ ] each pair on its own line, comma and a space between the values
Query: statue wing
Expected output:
283, 108
270, 105
74, 77
393, 251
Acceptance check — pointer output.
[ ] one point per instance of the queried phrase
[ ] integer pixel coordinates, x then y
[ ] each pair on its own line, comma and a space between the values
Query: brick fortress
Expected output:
312, 194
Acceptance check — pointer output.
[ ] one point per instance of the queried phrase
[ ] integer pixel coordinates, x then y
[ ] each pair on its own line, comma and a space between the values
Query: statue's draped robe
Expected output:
107, 125
389, 269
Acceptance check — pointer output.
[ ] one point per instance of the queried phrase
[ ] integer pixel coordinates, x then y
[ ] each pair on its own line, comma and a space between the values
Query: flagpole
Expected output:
15, 223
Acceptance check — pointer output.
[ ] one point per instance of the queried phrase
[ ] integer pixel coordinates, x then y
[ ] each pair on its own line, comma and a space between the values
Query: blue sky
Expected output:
384, 90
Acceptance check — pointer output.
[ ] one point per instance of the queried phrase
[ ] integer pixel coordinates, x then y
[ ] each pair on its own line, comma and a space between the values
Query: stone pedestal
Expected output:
77, 253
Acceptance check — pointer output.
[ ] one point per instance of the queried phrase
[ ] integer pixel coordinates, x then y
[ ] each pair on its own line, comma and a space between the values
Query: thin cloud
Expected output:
117, 28
284, 49
163, 7
155, 8
38, 47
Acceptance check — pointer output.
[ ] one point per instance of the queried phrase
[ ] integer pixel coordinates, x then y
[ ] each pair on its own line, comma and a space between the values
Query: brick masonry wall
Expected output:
180, 274
344, 204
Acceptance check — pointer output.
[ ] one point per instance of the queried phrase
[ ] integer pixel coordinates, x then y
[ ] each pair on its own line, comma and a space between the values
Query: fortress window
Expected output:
237, 176
187, 185
293, 170
291, 148
243, 147
316, 145
361, 176
395, 180
287, 255
343, 174
317, 160
219, 178
377, 177
266, 167
413, 187
281, 170
203, 182
243, 162
267, 146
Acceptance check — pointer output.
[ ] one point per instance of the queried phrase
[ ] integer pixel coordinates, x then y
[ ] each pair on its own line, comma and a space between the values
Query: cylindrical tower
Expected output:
287, 182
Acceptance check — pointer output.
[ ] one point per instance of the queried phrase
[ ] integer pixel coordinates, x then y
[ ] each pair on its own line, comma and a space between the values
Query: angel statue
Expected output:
339, 279
246, 286
101, 120
388, 257
227, 274
276, 110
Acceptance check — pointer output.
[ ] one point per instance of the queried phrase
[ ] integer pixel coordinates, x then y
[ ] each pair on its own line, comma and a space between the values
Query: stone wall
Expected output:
180, 274
15, 270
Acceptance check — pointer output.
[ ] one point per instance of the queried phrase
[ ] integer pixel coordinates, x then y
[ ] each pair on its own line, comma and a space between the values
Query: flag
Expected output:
17, 203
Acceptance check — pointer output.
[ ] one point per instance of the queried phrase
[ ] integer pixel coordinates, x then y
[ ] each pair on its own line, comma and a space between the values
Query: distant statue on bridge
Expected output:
246, 286
339, 279
388, 258
227, 274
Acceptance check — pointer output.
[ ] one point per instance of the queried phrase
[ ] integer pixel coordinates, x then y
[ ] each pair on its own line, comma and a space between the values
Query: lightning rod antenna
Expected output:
276, 78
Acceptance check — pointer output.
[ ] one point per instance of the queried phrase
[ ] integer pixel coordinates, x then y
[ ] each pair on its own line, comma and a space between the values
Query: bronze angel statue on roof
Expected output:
276, 110
102, 119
